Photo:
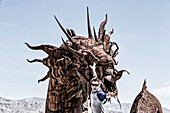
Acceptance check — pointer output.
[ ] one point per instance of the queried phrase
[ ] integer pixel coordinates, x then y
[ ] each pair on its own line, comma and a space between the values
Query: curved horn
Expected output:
35, 60
72, 32
110, 46
69, 37
111, 32
119, 75
88, 25
34, 47
101, 30
115, 52
116, 63
68, 31
104, 42
46, 48
103, 35
115, 55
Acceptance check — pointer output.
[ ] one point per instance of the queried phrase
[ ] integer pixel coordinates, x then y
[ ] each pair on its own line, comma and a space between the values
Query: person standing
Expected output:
98, 97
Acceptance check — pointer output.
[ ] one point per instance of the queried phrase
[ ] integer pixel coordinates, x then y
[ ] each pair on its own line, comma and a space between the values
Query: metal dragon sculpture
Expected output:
145, 102
70, 68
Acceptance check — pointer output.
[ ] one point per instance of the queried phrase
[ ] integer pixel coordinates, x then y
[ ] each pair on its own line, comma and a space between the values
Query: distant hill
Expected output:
37, 105
33, 99
115, 108
27, 105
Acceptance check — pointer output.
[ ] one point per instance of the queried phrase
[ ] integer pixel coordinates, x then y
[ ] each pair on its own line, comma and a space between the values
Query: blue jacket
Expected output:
101, 95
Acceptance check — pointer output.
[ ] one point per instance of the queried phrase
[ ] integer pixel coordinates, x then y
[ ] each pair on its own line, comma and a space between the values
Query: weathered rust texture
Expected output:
145, 102
70, 69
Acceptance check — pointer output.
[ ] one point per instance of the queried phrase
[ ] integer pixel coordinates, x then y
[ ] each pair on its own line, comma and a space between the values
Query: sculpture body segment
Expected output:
70, 68
145, 102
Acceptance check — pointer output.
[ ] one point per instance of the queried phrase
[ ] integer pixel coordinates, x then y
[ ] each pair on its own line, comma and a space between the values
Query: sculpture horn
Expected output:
69, 37
46, 48
95, 36
103, 34
34, 47
101, 29
88, 25
115, 52
119, 75
72, 32
35, 60
111, 32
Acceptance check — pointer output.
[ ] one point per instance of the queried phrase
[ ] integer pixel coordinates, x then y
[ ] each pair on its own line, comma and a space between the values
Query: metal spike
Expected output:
115, 52
35, 60
68, 31
72, 32
111, 32
101, 29
65, 43
69, 37
34, 47
103, 35
88, 25
95, 36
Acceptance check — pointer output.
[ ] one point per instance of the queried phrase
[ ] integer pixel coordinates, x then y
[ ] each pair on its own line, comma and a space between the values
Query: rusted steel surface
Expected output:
70, 67
145, 102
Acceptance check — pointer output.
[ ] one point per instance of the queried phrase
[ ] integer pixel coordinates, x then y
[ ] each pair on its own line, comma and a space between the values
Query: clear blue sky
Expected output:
142, 30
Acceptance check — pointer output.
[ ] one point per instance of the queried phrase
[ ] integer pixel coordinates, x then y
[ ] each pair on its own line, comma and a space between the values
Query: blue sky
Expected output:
141, 30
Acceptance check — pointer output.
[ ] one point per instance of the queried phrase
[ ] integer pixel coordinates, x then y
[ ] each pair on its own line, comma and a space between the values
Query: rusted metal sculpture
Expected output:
145, 102
70, 69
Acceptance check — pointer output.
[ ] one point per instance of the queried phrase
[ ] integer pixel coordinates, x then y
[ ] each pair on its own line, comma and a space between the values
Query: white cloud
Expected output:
162, 91
163, 94
9, 25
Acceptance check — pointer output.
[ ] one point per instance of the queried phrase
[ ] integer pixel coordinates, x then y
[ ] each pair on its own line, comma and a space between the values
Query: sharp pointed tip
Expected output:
87, 10
127, 72
106, 16
62, 39
28, 60
26, 43
145, 81
55, 17
144, 85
